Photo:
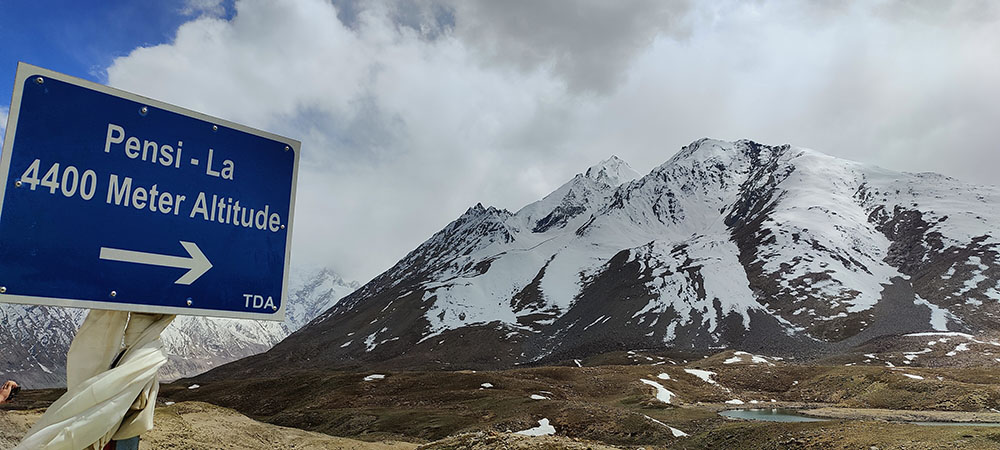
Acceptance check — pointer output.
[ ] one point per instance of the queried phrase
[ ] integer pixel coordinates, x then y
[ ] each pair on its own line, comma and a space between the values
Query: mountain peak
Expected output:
727, 153
612, 171
480, 210
707, 147
328, 274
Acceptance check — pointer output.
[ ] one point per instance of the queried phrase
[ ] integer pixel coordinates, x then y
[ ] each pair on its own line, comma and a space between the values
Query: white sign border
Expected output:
25, 71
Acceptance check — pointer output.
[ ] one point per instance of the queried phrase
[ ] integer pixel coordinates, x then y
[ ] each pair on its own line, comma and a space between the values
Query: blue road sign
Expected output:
115, 201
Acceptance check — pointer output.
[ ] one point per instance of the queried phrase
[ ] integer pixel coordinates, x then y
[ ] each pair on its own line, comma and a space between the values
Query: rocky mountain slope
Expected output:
195, 344
33, 343
35, 339
774, 249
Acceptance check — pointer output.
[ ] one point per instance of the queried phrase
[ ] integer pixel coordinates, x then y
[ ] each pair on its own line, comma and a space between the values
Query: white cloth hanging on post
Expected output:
102, 404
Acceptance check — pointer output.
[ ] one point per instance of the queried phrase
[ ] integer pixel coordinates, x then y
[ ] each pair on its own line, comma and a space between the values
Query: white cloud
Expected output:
391, 123
413, 111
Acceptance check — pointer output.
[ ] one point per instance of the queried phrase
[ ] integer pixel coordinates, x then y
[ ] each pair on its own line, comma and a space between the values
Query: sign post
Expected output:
139, 210
114, 201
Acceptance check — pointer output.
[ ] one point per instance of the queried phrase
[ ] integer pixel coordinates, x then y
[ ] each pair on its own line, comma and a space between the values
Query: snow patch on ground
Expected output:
705, 375
754, 359
486, 385
674, 431
538, 397
374, 376
543, 429
662, 394
913, 355
734, 401
943, 333
663, 376
194, 386
963, 347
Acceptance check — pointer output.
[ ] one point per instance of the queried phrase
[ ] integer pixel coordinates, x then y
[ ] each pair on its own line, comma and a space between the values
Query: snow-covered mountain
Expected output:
33, 343
35, 339
728, 244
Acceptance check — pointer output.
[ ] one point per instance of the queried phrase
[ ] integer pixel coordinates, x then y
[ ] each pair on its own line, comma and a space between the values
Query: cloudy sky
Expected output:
412, 111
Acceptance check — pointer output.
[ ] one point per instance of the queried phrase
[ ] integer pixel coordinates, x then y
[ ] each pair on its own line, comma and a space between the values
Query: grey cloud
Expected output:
938, 12
906, 95
588, 43
362, 134
429, 18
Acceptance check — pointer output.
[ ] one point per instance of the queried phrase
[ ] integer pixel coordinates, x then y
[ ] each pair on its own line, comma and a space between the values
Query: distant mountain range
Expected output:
35, 339
774, 249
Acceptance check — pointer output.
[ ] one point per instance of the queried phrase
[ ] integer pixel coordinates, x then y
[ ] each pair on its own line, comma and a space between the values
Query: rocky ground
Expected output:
511, 441
608, 406
618, 400
197, 425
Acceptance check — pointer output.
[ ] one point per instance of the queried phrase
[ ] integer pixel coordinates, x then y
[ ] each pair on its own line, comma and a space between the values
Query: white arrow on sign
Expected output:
196, 263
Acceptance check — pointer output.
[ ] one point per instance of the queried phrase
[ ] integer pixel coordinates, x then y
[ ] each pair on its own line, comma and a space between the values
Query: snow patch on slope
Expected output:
939, 316
822, 236
682, 272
